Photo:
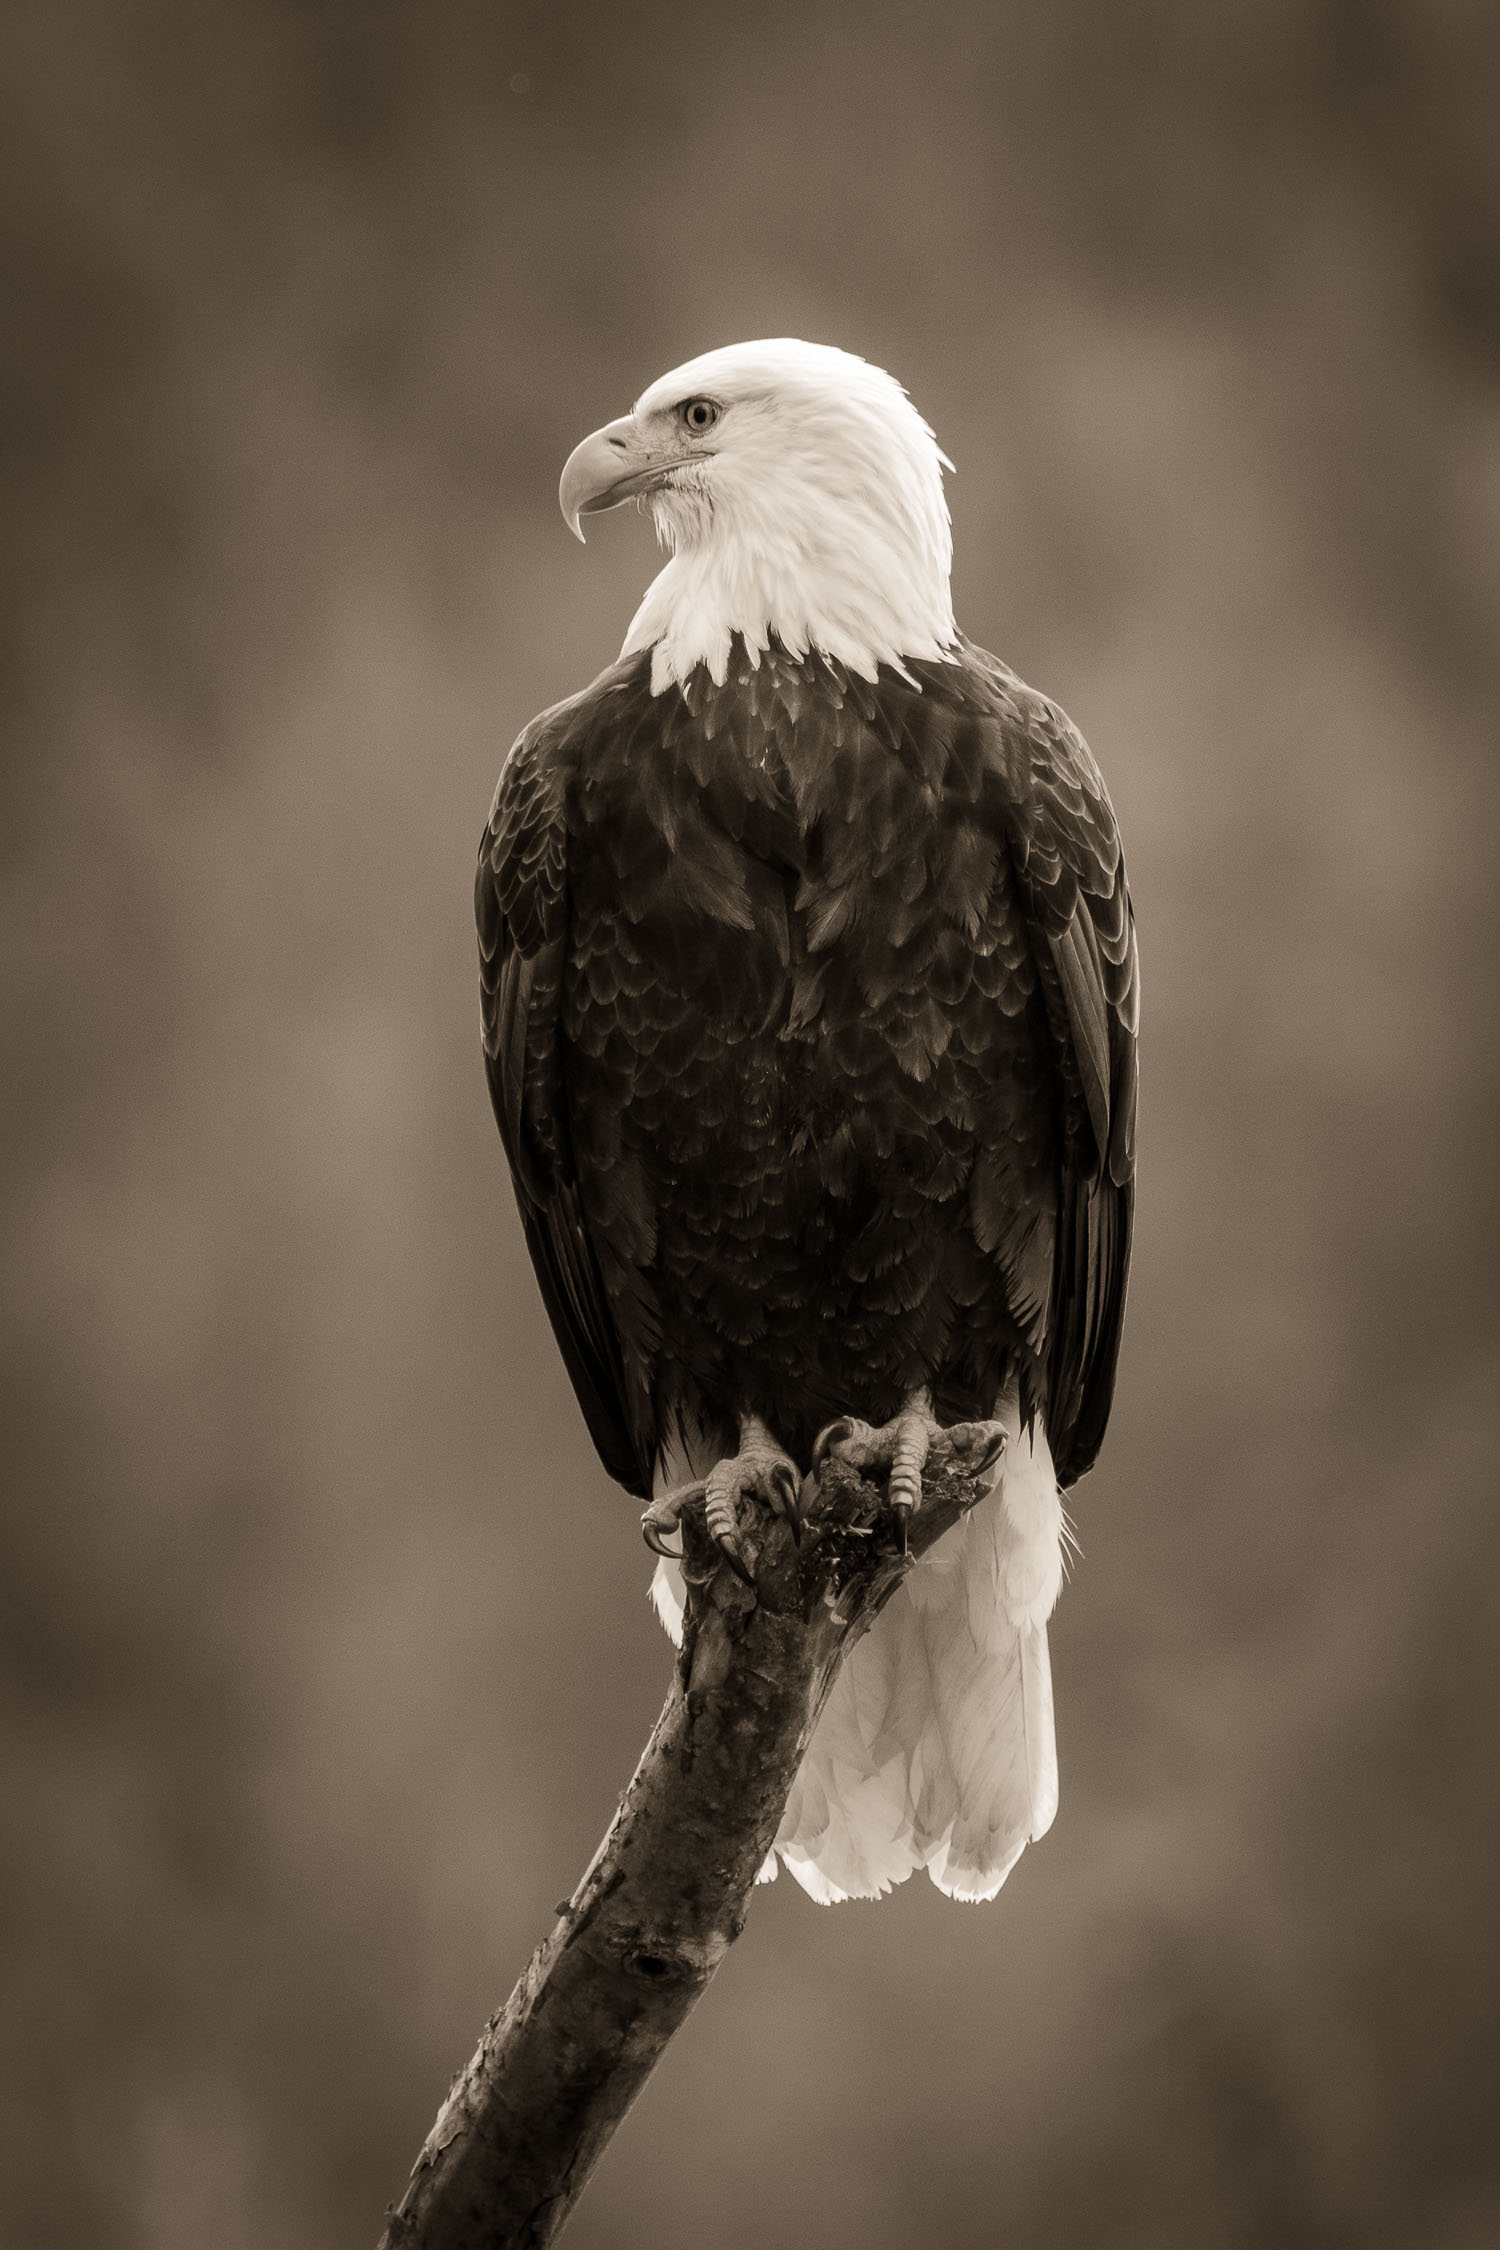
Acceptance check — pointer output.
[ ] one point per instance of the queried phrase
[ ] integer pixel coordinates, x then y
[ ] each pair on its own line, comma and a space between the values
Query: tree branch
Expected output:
665, 1895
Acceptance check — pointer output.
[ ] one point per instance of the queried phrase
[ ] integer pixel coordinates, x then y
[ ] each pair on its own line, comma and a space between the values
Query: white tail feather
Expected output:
669, 1598
935, 1748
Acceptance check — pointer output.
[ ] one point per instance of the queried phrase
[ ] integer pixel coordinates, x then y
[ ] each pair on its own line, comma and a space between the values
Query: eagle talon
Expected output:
665, 1515
837, 1433
977, 1446
760, 1471
784, 1486
902, 1448
990, 1455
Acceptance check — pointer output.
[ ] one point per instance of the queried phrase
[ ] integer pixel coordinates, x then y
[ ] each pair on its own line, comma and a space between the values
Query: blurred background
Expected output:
325, 1642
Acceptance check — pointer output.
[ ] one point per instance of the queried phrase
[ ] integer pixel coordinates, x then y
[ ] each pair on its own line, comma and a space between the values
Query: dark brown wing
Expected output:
520, 900
1047, 797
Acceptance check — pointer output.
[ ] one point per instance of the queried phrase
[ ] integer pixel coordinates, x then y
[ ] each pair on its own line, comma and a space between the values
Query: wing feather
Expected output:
1064, 857
521, 912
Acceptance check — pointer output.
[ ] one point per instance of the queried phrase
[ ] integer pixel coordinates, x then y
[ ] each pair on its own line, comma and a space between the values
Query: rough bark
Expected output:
665, 1895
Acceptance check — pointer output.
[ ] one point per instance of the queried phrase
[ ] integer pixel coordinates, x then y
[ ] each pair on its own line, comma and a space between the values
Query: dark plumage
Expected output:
809, 1012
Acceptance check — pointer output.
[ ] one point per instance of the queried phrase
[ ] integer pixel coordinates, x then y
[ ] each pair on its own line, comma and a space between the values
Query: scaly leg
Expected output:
759, 1471
901, 1447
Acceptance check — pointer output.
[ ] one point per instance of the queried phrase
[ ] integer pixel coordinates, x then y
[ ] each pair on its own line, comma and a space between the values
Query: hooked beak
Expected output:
613, 465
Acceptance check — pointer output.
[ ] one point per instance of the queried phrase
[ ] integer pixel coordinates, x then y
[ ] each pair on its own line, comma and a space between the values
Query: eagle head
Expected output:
798, 492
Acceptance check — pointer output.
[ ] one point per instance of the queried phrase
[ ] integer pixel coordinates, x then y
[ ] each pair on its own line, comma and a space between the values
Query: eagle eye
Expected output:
698, 415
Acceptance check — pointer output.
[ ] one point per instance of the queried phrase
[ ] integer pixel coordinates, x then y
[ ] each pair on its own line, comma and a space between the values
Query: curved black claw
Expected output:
977, 1446
665, 1515
902, 1511
723, 1487
835, 1434
989, 1456
783, 1482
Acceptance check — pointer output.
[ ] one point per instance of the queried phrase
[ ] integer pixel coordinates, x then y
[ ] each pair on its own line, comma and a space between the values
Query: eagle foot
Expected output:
902, 1447
759, 1471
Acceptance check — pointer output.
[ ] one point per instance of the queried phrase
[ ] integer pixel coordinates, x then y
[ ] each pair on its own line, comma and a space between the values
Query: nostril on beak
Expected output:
618, 443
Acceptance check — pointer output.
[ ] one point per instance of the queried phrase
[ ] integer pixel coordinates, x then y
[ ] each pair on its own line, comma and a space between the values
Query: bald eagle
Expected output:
810, 1003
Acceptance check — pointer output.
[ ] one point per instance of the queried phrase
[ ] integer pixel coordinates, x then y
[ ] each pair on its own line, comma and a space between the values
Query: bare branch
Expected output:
666, 1893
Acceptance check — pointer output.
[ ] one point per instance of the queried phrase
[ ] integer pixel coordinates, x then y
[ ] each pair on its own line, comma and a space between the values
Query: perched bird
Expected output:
810, 1002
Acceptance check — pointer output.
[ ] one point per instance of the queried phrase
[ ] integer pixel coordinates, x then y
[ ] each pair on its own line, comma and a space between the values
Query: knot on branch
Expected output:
655, 1962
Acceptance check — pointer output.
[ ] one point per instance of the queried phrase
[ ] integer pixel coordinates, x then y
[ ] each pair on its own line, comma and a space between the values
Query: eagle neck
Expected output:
870, 601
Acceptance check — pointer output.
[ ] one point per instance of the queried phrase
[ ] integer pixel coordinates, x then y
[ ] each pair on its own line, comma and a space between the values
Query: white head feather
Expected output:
814, 510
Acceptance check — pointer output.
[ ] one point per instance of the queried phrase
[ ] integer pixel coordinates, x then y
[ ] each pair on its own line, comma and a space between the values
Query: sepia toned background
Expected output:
323, 1639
